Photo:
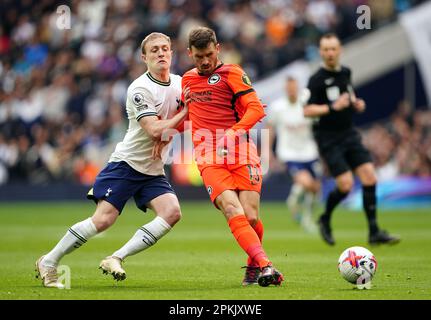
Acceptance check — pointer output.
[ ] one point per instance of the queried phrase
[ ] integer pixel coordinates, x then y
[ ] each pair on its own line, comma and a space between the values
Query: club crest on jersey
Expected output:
210, 190
246, 79
214, 78
138, 99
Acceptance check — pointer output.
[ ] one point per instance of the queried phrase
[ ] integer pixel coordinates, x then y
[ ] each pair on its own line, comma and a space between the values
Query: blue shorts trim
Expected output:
118, 182
313, 167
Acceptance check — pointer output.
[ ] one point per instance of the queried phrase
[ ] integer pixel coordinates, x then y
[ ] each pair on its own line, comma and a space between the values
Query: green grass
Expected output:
200, 259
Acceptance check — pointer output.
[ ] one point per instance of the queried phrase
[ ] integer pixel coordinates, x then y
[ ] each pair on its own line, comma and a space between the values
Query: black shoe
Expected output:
251, 275
325, 231
382, 237
270, 275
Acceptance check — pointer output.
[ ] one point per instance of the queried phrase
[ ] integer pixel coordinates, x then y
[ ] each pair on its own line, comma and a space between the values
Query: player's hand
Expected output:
225, 143
158, 149
342, 102
359, 105
187, 98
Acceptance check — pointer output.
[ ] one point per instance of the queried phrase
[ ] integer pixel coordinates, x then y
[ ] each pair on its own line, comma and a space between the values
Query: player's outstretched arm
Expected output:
155, 127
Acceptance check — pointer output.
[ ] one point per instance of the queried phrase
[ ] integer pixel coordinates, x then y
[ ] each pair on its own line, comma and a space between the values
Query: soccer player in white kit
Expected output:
152, 105
297, 150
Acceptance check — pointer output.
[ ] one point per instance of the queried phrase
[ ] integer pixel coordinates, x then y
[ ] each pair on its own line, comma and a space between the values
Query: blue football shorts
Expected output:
313, 167
118, 182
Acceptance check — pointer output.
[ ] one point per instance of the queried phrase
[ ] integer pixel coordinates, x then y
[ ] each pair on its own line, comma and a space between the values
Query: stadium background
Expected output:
62, 94
63, 90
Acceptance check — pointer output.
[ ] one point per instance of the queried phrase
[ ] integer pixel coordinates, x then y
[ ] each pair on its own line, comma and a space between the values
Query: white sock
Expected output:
307, 211
295, 193
145, 237
75, 237
308, 203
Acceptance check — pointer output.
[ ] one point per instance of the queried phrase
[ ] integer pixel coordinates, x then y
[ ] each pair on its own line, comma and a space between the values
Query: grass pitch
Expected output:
199, 259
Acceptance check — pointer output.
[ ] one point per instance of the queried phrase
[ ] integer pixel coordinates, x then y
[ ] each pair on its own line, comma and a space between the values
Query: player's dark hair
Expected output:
152, 36
201, 37
329, 35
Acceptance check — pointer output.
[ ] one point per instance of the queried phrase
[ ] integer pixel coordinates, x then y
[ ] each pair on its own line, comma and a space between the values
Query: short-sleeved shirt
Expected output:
295, 140
146, 96
325, 87
215, 108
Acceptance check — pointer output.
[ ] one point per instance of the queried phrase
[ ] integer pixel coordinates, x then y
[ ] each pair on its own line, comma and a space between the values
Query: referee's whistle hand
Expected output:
359, 105
342, 102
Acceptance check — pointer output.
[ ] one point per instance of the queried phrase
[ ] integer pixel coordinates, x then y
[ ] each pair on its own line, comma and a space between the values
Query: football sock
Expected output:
295, 194
145, 237
248, 239
307, 211
75, 237
369, 202
333, 200
258, 228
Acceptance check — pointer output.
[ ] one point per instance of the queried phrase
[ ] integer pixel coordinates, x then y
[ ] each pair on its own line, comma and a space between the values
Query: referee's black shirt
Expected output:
325, 87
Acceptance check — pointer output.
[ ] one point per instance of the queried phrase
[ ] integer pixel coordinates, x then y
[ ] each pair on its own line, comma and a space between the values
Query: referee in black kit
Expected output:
332, 104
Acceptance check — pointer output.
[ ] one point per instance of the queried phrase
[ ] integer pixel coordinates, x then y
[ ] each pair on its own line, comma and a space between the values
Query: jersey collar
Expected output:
162, 83
337, 69
218, 67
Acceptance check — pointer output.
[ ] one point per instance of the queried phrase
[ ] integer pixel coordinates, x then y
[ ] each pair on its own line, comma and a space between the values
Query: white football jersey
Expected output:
295, 140
146, 96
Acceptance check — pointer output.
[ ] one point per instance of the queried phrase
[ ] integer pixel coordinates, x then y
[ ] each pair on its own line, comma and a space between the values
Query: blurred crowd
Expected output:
401, 145
62, 90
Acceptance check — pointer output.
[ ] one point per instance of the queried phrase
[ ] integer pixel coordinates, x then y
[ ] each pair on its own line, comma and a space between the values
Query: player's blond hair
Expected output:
152, 36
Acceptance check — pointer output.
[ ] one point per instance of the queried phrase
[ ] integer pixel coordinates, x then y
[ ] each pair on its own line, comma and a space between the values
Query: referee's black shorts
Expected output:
342, 151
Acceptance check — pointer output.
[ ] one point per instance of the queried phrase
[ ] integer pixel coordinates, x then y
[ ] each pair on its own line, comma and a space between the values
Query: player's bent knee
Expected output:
369, 179
175, 214
171, 214
345, 185
252, 214
252, 220
345, 188
230, 210
104, 221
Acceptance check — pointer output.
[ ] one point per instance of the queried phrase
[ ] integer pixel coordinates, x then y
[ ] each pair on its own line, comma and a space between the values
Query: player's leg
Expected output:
344, 183
78, 234
250, 201
157, 194
248, 180
246, 237
360, 159
311, 187
168, 213
296, 193
229, 204
367, 176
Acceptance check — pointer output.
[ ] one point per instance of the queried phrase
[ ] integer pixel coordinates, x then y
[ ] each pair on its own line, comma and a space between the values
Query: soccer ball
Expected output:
357, 265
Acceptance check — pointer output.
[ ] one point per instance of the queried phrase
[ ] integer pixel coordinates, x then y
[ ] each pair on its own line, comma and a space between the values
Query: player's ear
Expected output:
189, 52
218, 47
144, 57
